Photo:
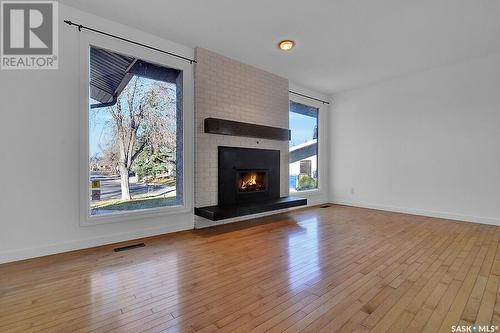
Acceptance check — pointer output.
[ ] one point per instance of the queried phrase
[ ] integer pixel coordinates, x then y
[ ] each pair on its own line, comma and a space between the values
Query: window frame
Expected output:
88, 40
321, 162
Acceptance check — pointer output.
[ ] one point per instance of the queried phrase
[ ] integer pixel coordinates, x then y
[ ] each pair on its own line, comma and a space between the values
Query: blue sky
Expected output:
98, 129
302, 128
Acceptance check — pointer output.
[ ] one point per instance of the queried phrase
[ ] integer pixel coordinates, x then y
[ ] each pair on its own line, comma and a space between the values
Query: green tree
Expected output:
306, 182
143, 118
151, 164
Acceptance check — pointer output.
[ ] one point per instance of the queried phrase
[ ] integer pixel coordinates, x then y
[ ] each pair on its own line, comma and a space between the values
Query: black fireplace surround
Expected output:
248, 183
238, 163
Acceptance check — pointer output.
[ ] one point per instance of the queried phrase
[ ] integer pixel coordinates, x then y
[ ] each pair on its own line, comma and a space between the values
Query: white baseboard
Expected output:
421, 212
28, 253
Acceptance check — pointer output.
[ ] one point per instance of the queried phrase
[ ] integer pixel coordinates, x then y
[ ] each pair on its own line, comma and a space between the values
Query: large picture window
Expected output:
303, 147
134, 134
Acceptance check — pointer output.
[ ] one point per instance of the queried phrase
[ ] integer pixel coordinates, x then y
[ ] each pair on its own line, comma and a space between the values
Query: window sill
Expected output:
315, 191
138, 215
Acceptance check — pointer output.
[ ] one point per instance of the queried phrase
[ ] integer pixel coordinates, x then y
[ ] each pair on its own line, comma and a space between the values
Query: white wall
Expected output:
427, 143
39, 197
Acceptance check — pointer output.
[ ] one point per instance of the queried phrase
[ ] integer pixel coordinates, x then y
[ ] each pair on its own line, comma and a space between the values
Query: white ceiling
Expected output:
340, 44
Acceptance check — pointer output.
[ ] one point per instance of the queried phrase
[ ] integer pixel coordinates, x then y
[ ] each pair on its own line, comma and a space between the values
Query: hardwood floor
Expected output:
318, 270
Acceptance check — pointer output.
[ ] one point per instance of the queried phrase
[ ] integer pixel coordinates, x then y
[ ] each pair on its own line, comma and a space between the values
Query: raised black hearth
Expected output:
249, 183
216, 213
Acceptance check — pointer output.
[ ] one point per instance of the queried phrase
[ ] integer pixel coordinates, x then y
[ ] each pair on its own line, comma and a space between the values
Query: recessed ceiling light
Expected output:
286, 45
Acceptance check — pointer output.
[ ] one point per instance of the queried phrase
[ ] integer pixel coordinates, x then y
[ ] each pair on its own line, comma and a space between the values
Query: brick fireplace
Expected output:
228, 89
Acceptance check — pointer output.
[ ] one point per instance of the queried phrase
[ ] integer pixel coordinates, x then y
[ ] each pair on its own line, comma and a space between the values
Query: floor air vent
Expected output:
129, 247
325, 206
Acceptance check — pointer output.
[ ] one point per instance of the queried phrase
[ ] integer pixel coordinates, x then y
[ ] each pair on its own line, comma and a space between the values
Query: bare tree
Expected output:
141, 118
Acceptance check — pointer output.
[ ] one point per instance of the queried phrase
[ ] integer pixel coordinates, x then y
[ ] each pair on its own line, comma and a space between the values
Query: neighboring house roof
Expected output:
304, 150
303, 109
110, 72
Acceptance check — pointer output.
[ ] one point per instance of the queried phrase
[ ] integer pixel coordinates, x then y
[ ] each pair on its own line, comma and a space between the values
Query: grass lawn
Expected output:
134, 204
163, 181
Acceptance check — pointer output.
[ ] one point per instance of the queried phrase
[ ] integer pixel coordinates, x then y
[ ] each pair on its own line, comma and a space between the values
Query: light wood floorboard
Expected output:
337, 269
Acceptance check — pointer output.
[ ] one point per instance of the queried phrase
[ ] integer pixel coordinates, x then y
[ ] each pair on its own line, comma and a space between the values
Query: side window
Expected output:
134, 134
303, 147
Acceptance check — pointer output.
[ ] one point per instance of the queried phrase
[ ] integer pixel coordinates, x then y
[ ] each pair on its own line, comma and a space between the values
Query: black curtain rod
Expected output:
81, 26
310, 97
191, 61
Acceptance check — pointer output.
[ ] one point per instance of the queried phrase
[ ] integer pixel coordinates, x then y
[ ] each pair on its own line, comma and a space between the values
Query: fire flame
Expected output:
249, 181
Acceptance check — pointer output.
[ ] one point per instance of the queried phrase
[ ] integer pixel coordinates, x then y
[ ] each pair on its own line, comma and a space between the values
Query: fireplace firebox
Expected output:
248, 174
250, 181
